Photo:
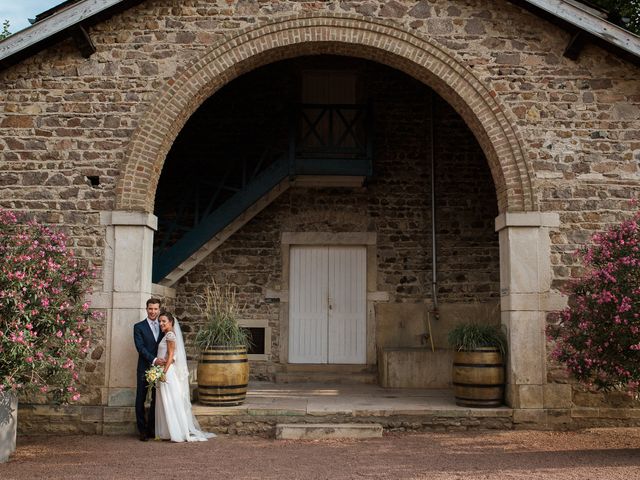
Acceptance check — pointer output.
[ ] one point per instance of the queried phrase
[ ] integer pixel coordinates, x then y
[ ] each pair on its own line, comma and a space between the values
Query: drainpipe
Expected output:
434, 258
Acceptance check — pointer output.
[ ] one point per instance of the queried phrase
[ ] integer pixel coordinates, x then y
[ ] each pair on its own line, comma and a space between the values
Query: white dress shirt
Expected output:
155, 328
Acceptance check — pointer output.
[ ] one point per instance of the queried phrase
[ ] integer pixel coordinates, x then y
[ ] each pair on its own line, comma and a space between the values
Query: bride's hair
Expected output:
166, 313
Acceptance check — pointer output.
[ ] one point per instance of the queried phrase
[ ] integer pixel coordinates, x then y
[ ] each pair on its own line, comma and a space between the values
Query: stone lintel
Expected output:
545, 302
100, 300
521, 302
378, 296
130, 301
328, 238
121, 217
163, 291
527, 219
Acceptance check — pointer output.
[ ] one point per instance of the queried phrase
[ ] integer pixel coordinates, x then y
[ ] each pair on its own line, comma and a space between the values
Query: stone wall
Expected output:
395, 203
66, 125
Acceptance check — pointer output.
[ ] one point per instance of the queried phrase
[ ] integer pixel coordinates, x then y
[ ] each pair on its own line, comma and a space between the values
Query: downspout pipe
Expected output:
434, 257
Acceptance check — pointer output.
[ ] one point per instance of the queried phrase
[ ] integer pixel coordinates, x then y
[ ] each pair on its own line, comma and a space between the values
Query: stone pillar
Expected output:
525, 281
127, 278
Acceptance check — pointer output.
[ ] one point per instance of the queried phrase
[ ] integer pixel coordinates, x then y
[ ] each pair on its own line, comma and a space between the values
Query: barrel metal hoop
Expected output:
484, 400
479, 365
228, 387
215, 354
221, 347
477, 385
236, 395
240, 360
485, 350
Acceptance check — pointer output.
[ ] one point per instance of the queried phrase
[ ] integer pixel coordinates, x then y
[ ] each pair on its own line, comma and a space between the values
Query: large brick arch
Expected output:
348, 35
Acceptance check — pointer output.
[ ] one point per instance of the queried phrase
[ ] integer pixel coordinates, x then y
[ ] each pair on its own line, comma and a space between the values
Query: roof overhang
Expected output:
68, 22
71, 21
590, 24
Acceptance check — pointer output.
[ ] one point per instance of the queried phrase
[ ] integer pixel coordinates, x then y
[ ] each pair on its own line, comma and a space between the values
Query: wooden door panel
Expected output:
347, 305
308, 309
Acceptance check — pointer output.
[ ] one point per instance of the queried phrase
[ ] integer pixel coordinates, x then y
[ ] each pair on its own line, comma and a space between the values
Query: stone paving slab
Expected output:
272, 399
323, 431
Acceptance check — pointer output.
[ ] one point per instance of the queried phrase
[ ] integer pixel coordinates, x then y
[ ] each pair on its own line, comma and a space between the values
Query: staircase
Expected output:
223, 222
338, 157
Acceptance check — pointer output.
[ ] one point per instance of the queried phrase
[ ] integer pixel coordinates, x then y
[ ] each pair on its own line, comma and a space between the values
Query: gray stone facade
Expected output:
83, 143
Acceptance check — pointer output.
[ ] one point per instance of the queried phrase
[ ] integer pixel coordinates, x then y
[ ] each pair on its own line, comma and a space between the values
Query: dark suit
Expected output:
147, 347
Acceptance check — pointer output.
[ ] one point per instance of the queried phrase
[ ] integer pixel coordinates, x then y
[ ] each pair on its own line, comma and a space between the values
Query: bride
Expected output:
174, 419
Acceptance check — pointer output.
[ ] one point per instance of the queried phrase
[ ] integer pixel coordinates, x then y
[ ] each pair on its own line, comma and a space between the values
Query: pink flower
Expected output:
598, 334
38, 275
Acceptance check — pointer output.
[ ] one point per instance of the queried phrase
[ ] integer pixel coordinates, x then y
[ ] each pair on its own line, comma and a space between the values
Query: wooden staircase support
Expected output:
205, 250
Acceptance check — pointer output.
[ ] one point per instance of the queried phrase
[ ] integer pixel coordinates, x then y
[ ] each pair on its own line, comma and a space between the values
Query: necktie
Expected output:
155, 329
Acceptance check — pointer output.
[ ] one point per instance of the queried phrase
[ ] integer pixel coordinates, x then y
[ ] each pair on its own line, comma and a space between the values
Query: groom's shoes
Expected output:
143, 437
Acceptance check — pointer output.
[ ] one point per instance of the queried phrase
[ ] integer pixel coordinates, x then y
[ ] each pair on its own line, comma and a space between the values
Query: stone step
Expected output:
326, 368
329, 377
319, 431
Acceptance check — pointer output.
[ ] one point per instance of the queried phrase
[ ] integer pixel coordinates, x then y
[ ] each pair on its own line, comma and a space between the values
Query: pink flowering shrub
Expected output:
598, 334
43, 321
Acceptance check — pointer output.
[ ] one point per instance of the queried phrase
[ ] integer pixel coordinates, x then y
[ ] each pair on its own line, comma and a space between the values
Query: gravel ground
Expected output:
590, 454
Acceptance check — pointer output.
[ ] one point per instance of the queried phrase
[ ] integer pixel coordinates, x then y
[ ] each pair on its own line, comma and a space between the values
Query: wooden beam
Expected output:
575, 45
83, 41
584, 18
54, 25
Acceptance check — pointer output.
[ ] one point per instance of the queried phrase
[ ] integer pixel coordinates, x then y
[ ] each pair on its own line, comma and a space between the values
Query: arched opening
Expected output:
383, 42
328, 108
523, 235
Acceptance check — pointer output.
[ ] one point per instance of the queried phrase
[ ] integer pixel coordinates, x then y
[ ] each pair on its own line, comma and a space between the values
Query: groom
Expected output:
147, 336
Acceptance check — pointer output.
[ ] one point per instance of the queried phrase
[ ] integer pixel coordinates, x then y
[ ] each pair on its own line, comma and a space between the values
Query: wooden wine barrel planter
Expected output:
223, 375
478, 377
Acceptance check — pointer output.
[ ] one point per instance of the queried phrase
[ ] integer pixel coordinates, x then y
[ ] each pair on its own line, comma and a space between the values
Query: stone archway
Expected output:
382, 42
523, 229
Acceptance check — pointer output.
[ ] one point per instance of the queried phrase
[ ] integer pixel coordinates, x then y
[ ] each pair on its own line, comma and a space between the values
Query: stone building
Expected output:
390, 168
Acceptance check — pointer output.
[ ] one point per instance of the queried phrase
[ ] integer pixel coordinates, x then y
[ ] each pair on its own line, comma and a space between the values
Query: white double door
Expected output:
327, 305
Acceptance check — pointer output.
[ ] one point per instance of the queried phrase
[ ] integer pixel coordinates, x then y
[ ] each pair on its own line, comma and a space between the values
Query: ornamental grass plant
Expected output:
597, 337
221, 309
471, 336
44, 320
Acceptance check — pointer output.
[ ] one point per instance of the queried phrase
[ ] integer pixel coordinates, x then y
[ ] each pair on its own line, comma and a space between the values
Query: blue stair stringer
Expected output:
165, 263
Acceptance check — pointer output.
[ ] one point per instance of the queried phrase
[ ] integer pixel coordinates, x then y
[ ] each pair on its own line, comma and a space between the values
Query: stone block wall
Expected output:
66, 122
395, 203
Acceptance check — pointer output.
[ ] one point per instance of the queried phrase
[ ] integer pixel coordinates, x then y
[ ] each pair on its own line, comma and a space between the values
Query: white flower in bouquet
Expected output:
153, 375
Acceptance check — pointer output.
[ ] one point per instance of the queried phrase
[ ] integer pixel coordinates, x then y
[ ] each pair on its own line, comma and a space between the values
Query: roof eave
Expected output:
59, 26
70, 20
583, 18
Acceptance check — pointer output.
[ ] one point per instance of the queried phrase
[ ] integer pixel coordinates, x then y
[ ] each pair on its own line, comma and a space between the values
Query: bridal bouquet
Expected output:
153, 375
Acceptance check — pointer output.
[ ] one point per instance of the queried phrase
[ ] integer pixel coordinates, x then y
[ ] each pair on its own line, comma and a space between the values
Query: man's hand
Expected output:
160, 361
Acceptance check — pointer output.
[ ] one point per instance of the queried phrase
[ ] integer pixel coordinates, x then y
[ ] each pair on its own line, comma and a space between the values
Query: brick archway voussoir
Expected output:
375, 40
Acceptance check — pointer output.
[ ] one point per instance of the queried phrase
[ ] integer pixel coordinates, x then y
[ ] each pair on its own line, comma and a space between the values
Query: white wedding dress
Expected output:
174, 419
